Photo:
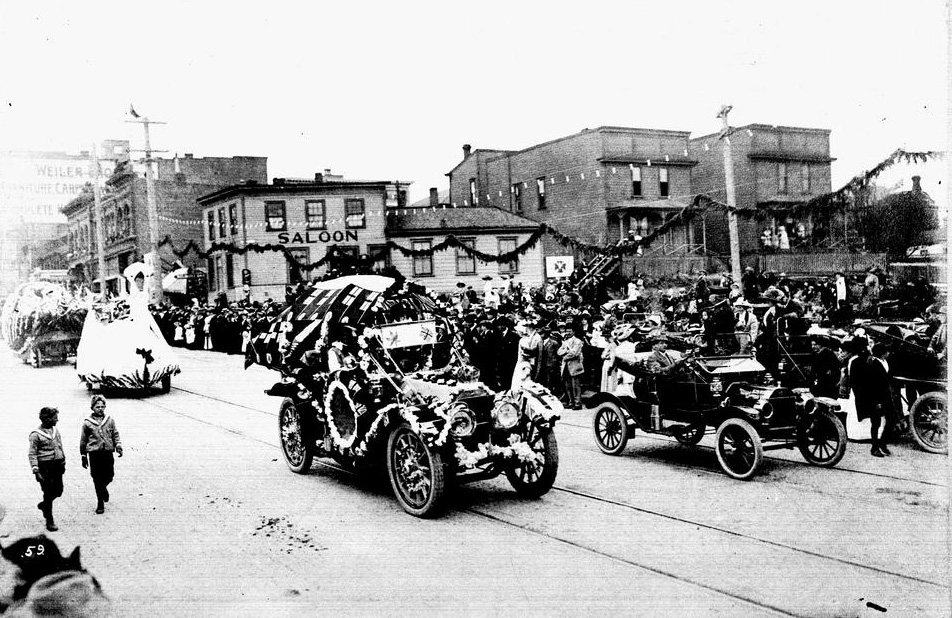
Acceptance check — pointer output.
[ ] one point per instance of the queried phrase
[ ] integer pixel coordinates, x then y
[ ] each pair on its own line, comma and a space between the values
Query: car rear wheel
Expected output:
821, 439
738, 449
297, 450
534, 480
930, 422
610, 428
416, 472
689, 435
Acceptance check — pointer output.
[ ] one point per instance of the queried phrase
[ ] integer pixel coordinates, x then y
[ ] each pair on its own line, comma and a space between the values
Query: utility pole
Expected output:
153, 210
100, 233
731, 197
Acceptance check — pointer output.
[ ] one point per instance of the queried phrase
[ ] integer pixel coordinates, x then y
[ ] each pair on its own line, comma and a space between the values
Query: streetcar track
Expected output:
632, 563
604, 500
644, 436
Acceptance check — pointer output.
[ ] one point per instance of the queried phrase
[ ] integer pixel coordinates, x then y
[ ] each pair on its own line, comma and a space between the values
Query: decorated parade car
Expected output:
41, 321
727, 394
374, 372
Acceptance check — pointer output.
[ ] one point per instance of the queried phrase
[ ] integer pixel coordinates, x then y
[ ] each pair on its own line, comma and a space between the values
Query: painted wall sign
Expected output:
313, 237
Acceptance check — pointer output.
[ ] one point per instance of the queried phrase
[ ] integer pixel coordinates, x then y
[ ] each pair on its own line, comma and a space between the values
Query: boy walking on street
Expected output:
48, 461
98, 441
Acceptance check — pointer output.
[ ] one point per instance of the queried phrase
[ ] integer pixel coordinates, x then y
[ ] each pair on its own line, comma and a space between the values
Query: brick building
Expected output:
178, 184
773, 166
306, 216
595, 185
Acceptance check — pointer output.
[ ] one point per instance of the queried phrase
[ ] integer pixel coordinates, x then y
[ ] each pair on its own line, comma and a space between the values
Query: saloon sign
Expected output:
311, 237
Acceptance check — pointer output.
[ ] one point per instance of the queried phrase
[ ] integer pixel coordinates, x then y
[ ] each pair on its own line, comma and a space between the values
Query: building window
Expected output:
230, 270
804, 178
302, 255
315, 214
635, 181
211, 274
466, 263
540, 192
506, 245
221, 222
517, 197
663, 186
781, 178
473, 196
380, 254
422, 264
274, 216
219, 273
233, 218
211, 225
354, 216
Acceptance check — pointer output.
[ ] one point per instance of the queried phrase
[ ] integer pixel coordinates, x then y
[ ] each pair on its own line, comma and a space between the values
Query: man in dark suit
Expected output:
878, 398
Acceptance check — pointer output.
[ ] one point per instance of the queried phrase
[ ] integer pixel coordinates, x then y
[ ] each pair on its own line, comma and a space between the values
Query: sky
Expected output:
392, 90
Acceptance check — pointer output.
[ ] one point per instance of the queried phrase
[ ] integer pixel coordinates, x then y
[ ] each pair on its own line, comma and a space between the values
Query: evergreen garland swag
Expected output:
700, 203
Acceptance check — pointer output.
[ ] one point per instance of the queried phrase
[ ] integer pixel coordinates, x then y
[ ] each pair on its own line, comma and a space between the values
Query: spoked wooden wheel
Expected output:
821, 439
610, 428
738, 448
298, 454
930, 422
536, 478
416, 472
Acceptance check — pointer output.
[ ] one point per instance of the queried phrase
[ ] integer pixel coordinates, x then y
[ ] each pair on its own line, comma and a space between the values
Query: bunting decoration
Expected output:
699, 203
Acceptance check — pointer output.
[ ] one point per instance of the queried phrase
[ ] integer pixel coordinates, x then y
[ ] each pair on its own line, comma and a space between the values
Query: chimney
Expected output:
327, 171
915, 184
466, 149
434, 197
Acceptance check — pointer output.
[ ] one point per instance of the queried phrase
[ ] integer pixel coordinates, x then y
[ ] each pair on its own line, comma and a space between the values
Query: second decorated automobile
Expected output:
373, 372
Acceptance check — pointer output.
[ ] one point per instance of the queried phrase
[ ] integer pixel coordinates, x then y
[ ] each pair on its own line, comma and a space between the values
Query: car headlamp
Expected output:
506, 415
462, 423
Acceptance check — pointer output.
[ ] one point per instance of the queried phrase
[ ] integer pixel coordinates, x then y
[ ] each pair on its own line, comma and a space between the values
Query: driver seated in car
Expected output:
662, 362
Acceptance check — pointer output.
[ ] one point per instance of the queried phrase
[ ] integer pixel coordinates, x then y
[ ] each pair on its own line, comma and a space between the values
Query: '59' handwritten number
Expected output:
39, 550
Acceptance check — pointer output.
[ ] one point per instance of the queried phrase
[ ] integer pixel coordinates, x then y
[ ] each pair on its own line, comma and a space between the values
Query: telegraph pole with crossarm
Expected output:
151, 206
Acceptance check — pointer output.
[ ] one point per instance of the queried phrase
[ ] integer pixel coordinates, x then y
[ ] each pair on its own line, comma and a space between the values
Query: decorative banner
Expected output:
408, 334
559, 265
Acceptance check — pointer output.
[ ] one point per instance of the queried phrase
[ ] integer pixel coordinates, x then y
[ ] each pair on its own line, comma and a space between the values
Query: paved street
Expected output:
206, 519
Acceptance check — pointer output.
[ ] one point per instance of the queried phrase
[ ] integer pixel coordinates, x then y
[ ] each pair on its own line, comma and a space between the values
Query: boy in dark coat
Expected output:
48, 461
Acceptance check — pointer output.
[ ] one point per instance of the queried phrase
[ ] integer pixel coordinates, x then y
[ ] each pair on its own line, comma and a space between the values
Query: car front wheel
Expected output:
821, 439
929, 417
297, 450
610, 428
416, 472
535, 479
738, 448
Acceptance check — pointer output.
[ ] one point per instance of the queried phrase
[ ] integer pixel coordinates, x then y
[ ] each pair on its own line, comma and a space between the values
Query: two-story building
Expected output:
178, 183
307, 217
486, 229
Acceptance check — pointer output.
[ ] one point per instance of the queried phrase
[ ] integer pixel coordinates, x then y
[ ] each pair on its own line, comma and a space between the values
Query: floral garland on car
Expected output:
516, 449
